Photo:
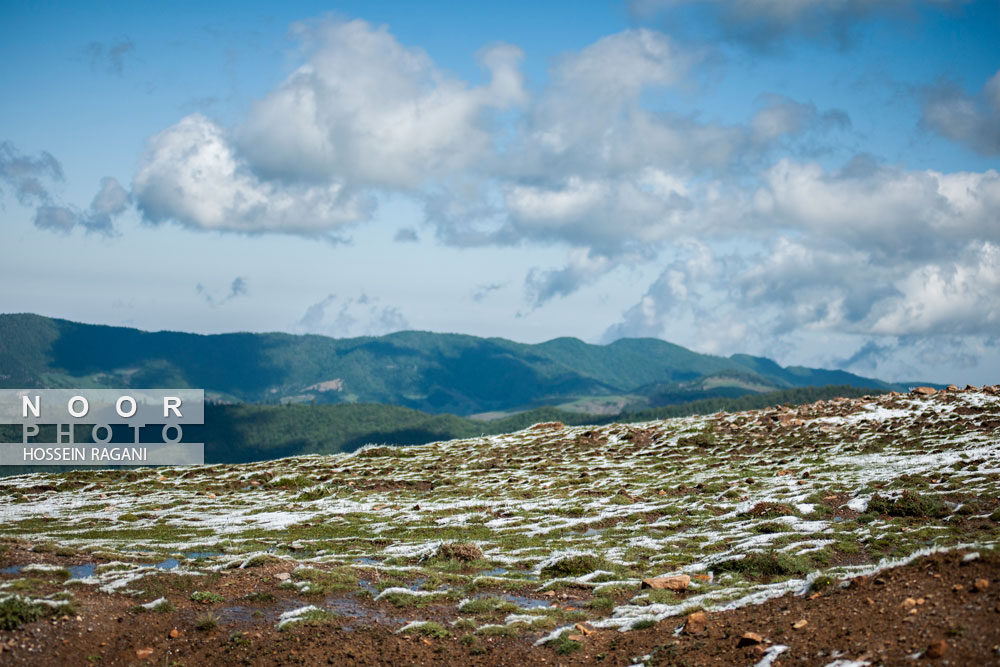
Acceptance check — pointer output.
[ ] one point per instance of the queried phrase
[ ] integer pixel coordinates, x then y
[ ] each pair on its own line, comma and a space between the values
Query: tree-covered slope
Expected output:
439, 373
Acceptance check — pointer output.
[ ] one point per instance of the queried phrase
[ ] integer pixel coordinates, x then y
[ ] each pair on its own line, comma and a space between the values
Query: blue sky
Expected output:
813, 181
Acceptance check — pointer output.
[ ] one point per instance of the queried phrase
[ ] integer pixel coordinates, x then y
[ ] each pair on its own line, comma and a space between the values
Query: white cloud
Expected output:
372, 112
191, 174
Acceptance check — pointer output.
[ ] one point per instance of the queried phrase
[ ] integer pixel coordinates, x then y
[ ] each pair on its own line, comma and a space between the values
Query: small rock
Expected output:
677, 583
981, 585
924, 391
907, 603
586, 628
696, 623
175, 633
798, 625
549, 594
282, 576
958, 587
936, 649
749, 639
952, 387
143, 653
575, 637
211, 495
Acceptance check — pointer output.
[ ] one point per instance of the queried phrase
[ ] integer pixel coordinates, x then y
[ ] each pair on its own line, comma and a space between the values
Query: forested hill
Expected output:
431, 372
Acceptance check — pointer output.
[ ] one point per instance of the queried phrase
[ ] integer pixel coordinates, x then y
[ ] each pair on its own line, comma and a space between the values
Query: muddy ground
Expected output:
939, 609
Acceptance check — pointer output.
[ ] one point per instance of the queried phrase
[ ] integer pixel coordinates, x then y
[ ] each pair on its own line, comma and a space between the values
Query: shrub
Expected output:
206, 621
768, 564
465, 552
15, 611
909, 503
574, 566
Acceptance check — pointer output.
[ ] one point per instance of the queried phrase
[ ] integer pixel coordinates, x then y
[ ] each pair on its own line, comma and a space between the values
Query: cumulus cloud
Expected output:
191, 174
766, 24
972, 120
373, 112
868, 250
363, 113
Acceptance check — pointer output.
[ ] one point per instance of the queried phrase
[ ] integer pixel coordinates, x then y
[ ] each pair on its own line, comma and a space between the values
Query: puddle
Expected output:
525, 602
168, 564
495, 572
75, 571
268, 614
356, 612
81, 571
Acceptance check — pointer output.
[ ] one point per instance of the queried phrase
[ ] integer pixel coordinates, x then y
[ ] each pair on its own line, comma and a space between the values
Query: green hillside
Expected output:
435, 373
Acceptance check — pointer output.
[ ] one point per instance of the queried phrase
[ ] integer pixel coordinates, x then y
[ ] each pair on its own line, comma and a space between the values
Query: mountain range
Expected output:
432, 372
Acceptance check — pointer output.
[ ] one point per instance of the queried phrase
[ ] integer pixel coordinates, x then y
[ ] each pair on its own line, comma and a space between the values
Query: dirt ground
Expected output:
939, 609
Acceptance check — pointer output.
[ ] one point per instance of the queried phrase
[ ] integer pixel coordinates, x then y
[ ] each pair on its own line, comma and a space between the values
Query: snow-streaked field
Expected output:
790, 487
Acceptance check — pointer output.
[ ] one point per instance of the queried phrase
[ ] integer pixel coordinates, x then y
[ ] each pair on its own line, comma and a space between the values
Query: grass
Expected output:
313, 617
207, 597
429, 629
563, 645
487, 605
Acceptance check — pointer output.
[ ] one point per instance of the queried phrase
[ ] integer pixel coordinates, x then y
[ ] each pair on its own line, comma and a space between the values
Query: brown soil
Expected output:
883, 619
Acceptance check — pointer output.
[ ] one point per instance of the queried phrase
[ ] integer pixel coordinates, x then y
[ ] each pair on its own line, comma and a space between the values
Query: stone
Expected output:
677, 583
798, 625
924, 391
952, 387
696, 623
143, 653
575, 637
175, 633
908, 603
981, 585
936, 649
282, 576
749, 639
586, 628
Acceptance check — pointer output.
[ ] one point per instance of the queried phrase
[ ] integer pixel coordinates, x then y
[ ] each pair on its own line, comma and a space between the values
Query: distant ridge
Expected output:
432, 372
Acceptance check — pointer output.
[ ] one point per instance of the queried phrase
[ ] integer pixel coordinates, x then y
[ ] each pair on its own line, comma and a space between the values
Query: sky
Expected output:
815, 181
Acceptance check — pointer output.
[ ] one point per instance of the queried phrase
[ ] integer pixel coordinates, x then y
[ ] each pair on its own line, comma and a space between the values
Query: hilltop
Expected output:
430, 372
875, 520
